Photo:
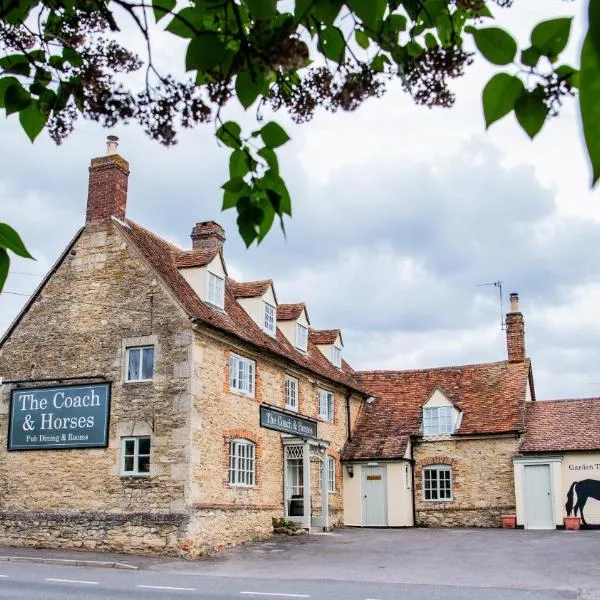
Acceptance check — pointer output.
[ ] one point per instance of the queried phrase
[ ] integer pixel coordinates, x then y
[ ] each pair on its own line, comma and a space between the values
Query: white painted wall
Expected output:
578, 466
197, 276
255, 306
288, 328
353, 496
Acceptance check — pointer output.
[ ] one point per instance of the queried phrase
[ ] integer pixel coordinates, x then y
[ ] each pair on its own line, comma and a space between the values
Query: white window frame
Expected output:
242, 463
215, 290
434, 486
136, 455
291, 393
242, 374
336, 357
269, 318
326, 405
301, 337
141, 349
438, 420
330, 462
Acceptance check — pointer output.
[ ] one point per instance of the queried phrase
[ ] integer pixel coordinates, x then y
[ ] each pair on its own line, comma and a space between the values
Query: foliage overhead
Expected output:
62, 59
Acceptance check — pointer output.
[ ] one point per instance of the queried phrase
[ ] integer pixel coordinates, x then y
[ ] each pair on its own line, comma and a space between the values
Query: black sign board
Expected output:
72, 416
280, 421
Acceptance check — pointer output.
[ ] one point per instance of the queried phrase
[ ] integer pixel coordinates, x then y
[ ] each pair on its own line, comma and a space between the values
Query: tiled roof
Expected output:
557, 425
323, 336
198, 257
491, 397
290, 312
162, 256
250, 289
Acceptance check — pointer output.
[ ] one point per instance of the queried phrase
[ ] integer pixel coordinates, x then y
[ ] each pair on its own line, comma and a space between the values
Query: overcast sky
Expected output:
400, 213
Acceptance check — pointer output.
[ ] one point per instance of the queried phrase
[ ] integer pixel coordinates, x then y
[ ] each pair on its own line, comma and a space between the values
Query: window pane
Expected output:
143, 464
129, 447
144, 445
133, 367
147, 362
128, 464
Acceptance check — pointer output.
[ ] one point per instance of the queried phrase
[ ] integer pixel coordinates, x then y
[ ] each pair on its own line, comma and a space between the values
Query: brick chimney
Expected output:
107, 189
207, 234
515, 331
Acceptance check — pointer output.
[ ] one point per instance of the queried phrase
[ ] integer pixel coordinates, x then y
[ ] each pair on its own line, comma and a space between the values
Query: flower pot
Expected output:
509, 521
572, 523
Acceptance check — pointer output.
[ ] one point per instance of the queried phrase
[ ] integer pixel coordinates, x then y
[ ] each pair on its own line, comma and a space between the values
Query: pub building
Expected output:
151, 403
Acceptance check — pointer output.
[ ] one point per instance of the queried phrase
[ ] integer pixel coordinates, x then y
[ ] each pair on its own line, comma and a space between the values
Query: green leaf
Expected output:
238, 164
273, 135
589, 92
378, 63
162, 8
550, 37
498, 46
414, 49
229, 200
430, 40
16, 98
33, 120
332, 44
531, 111
272, 181
432, 9
267, 205
235, 185
362, 39
530, 56
326, 11
499, 96
262, 9
205, 51
187, 23
11, 240
270, 158
229, 134
73, 57
569, 73
370, 12
15, 63
4, 265
5, 82
249, 86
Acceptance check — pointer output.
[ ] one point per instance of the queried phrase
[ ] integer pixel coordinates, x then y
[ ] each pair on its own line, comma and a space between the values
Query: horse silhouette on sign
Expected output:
586, 488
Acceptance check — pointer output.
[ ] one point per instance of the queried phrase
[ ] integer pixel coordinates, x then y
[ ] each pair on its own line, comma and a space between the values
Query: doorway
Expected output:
374, 493
538, 500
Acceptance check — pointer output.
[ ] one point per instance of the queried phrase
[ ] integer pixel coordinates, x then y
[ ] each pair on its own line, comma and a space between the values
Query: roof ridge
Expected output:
156, 236
450, 367
559, 400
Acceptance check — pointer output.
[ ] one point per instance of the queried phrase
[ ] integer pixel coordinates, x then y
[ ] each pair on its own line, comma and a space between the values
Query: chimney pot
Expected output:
515, 331
112, 143
207, 234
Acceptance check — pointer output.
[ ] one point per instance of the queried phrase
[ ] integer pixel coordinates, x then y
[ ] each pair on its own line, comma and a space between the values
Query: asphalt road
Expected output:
24, 581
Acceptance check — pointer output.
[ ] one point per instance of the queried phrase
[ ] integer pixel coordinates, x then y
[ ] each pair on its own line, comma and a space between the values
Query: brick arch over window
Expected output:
439, 459
242, 434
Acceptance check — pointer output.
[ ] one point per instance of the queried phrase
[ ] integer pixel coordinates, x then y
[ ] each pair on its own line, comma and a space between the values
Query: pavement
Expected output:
348, 564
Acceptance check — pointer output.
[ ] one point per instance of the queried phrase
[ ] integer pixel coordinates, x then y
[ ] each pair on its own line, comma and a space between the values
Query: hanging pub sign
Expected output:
280, 421
72, 416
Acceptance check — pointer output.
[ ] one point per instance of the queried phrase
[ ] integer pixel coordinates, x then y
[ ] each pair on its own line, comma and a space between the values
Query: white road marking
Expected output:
276, 594
166, 587
72, 581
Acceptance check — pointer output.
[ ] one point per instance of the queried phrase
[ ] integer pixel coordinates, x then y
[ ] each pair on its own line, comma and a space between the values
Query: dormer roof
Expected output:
291, 312
324, 336
250, 289
199, 257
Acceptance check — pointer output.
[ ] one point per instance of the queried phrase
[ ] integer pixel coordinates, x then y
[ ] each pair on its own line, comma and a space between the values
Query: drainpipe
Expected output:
412, 471
349, 433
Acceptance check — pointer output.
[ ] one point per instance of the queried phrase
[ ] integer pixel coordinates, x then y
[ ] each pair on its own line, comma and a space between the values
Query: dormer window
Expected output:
215, 290
438, 420
269, 318
301, 337
336, 357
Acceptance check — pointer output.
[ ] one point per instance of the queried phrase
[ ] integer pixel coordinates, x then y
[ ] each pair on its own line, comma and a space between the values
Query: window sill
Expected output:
324, 419
445, 500
241, 393
215, 306
134, 475
291, 408
241, 486
130, 381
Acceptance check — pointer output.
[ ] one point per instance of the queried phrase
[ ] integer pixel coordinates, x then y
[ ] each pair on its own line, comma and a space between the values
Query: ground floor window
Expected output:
330, 474
135, 455
242, 463
437, 483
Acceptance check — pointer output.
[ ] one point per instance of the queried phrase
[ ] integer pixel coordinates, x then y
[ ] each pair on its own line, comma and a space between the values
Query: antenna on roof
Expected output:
497, 284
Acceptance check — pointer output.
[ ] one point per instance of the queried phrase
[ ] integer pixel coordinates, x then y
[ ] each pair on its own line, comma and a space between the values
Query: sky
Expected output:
401, 213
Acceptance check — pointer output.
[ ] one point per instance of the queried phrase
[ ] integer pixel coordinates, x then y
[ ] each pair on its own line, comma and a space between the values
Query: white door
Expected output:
539, 505
374, 497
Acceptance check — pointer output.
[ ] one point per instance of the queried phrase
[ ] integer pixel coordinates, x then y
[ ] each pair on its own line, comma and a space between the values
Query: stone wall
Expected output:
482, 481
100, 299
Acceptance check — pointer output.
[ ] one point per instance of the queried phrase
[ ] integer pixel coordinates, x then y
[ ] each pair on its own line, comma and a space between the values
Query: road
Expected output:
25, 581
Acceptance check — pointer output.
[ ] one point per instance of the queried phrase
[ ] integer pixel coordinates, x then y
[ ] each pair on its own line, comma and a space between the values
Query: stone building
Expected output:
436, 446
150, 403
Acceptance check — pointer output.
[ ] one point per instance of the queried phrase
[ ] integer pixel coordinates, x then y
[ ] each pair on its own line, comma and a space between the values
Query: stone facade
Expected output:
482, 481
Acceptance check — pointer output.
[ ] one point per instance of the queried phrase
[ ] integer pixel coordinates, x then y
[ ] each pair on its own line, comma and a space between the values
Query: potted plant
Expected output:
509, 521
572, 523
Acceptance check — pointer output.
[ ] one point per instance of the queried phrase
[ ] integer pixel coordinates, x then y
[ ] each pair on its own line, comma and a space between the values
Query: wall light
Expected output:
350, 470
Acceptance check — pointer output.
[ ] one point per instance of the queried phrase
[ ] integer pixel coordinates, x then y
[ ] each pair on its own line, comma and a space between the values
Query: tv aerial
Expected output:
497, 284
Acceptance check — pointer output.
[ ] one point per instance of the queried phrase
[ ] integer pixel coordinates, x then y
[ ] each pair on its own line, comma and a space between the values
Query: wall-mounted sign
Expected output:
274, 419
73, 416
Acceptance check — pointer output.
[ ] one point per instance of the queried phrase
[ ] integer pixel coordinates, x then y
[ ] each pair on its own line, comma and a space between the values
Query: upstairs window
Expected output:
437, 483
242, 463
326, 405
269, 318
438, 420
241, 374
301, 337
291, 393
336, 357
215, 290
135, 456
140, 363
